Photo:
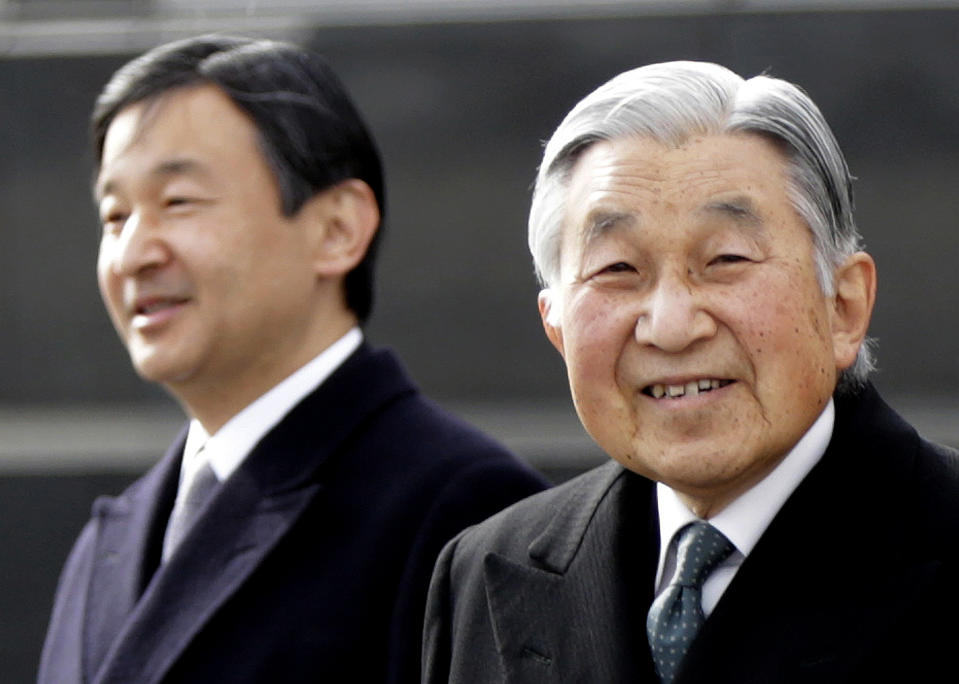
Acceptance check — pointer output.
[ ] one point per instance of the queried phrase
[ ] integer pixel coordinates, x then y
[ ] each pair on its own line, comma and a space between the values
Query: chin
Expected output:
160, 371
681, 467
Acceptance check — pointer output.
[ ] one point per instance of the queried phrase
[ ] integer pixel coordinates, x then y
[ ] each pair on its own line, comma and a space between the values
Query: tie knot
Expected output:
701, 548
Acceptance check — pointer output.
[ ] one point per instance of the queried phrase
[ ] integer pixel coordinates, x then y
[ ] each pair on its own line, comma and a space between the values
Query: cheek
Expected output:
596, 331
780, 313
106, 281
787, 339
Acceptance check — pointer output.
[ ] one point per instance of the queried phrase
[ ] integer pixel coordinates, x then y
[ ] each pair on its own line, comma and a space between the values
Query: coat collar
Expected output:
562, 615
141, 636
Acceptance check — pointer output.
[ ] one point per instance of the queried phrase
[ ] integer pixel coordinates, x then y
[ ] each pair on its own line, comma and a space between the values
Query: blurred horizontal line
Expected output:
90, 37
131, 438
25, 37
65, 439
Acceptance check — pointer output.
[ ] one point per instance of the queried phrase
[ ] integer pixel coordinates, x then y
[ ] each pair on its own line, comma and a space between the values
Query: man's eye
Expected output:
113, 222
729, 259
618, 267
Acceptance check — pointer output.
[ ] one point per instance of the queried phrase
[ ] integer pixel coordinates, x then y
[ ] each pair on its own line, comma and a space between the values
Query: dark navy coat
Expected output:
310, 564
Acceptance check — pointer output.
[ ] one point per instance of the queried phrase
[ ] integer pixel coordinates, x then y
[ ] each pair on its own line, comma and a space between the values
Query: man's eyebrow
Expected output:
601, 222
168, 167
741, 209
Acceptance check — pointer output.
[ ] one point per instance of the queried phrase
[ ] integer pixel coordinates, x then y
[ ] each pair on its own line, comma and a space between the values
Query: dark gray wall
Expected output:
460, 111
460, 122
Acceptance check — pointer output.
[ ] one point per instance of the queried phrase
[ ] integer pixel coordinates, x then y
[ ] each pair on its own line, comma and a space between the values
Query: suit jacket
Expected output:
854, 579
311, 562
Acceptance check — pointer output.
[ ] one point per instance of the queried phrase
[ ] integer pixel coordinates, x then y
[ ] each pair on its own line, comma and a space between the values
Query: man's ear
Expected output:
341, 222
852, 306
551, 323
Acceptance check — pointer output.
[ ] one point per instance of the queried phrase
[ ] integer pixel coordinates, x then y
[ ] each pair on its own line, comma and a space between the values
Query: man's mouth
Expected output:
152, 306
691, 388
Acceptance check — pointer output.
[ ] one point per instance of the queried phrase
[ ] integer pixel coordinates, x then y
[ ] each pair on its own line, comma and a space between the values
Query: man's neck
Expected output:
214, 401
228, 447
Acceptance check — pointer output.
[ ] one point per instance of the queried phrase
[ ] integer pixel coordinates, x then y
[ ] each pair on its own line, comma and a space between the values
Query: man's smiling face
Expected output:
697, 338
209, 285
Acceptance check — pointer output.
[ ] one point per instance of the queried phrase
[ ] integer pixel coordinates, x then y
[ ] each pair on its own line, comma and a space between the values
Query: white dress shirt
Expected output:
229, 446
745, 519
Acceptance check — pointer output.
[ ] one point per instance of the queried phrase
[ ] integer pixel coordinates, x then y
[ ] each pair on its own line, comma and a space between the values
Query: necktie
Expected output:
677, 614
187, 507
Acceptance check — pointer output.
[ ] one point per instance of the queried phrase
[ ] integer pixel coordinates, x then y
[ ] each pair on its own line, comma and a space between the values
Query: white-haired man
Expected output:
765, 517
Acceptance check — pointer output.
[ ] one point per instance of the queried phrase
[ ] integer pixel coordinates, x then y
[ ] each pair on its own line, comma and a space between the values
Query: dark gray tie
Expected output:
186, 509
677, 614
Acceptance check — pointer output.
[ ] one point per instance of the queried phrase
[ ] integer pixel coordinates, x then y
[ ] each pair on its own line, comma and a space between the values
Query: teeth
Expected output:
691, 388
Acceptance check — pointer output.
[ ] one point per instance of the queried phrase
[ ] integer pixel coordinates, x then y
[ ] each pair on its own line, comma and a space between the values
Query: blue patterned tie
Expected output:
677, 613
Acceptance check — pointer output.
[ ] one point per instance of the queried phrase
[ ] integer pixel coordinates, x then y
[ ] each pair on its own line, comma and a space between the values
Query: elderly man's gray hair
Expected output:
673, 101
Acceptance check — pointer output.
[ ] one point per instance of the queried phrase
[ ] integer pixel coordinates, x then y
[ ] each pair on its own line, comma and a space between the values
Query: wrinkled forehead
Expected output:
731, 176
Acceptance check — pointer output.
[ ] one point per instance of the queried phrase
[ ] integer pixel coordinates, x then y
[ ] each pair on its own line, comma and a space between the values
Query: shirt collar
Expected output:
228, 447
745, 519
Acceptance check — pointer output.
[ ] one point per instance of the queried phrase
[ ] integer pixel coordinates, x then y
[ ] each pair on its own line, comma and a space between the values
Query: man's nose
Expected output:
673, 316
138, 247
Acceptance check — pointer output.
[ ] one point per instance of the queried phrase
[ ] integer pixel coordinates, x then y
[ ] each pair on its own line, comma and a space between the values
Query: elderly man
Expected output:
766, 517
290, 532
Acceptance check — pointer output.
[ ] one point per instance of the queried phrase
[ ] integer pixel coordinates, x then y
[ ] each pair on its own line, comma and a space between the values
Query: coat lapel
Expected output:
563, 616
126, 552
248, 517
232, 538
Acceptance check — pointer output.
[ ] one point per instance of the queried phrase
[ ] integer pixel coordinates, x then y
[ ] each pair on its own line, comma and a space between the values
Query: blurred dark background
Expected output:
460, 96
